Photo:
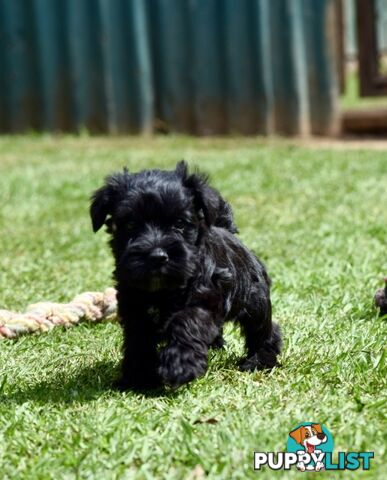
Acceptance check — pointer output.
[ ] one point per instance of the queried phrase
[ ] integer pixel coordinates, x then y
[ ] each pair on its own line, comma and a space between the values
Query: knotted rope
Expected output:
43, 316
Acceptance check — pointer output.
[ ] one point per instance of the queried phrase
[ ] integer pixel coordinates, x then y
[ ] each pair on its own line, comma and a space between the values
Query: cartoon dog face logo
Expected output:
309, 436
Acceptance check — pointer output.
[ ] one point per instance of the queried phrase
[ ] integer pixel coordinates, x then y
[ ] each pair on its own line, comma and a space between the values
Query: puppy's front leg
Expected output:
139, 366
189, 336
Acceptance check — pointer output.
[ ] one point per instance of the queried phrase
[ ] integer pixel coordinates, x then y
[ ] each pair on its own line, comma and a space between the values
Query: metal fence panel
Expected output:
197, 66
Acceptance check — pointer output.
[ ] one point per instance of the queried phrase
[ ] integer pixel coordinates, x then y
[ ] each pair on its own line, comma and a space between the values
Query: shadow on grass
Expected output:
87, 384
91, 382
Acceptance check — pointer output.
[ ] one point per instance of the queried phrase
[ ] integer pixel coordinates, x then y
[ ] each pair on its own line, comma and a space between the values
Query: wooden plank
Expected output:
365, 121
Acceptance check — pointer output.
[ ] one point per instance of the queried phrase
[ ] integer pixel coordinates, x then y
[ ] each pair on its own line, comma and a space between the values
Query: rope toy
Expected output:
43, 316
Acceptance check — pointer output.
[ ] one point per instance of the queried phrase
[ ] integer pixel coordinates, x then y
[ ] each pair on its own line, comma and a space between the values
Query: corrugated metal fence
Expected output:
199, 66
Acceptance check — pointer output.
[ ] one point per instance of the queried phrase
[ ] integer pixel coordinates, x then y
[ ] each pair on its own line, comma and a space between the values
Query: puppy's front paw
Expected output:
148, 381
180, 365
259, 362
120, 384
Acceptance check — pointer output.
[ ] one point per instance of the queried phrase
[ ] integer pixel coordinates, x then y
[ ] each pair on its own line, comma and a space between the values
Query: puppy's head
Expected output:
156, 219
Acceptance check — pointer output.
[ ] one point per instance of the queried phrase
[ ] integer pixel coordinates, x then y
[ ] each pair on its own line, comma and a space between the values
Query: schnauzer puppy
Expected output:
180, 274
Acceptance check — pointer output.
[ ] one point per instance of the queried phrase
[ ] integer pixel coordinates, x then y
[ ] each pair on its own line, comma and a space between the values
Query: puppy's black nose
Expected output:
158, 257
321, 436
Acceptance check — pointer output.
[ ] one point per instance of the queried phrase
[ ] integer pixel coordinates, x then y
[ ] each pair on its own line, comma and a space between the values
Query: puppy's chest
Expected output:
158, 317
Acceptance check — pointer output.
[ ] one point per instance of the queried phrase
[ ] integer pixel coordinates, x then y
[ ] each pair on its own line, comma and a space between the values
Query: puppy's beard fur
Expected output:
140, 276
133, 269
156, 283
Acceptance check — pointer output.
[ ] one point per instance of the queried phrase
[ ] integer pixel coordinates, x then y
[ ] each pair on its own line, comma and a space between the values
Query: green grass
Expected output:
351, 98
316, 217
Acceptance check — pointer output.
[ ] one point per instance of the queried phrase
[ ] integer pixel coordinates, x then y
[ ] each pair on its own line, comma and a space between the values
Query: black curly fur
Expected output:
180, 274
381, 299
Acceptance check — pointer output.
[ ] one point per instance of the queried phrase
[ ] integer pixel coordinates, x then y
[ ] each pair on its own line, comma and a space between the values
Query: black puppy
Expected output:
180, 273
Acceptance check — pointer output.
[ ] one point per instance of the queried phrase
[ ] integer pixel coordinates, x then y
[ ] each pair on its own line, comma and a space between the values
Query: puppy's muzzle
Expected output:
158, 257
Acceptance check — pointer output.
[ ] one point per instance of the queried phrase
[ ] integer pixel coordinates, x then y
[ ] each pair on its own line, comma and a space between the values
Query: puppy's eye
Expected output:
307, 434
129, 226
110, 225
179, 224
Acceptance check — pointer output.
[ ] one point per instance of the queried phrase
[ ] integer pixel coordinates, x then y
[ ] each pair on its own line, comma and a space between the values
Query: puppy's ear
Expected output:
104, 199
204, 198
101, 205
298, 435
318, 427
182, 169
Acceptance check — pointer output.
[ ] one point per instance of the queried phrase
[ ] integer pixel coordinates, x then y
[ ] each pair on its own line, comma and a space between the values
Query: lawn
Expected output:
317, 217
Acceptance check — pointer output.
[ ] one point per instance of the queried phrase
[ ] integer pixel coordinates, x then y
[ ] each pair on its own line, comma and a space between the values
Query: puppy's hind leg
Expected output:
262, 336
